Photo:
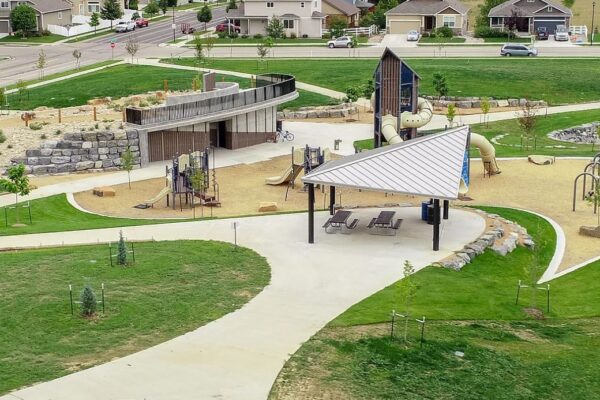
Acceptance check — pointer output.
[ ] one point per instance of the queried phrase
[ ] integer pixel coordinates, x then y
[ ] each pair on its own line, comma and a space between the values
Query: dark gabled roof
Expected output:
362, 4
317, 14
47, 6
526, 10
391, 52
289, 16
342, 5
427, 7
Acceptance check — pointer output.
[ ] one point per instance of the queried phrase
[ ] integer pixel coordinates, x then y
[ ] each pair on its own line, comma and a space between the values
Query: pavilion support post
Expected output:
436, 224
331, 200
446, 208
311, 213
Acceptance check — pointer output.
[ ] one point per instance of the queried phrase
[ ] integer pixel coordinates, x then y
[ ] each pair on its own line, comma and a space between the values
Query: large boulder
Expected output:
593, 231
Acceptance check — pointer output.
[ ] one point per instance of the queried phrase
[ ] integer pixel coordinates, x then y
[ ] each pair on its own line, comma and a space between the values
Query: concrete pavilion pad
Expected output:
240, 355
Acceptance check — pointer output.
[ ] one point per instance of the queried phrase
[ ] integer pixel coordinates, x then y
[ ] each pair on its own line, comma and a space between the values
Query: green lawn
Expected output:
563, 81
32, 39
87, 36
140, 78
505, 40
306, 99
55, 214
252, 40
507, 355
173, 288
510, 144
442, 40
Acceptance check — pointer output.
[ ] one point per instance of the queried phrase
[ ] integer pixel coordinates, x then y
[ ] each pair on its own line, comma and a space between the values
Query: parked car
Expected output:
125, 26
228, 27
541, 33
342, 41
510, 49
413, 36
141, 22
561, 33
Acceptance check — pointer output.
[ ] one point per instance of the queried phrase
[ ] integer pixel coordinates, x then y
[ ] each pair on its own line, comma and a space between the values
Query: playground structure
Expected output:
399, 111
591, 170
188, 178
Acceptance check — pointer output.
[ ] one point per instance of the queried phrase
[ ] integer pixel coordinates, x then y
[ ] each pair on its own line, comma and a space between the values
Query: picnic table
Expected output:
385, 221
339, 221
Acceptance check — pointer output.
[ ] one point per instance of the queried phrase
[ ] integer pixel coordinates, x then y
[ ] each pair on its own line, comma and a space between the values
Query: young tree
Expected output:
121, 250
337, 24
127, 163
94, 21
512, 23
406, 292
352, 94
132, 47
41, 63
21, 88
152, 8
275, 28
484, 10
133, 5
198, 52
440, 85
23, 19
204, 15
485, 109
568, 3
451, 114
88, 302
163, 5
232, 5
262, 50
209, 44
17, 183
77, 56
527, 121
111, 10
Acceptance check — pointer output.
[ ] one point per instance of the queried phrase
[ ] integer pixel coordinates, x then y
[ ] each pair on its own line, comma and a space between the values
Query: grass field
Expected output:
173, 288
563, 81
32, 39
507, 355
55, 214
505, 40
251, 40
140, 78
510, 144
442, 40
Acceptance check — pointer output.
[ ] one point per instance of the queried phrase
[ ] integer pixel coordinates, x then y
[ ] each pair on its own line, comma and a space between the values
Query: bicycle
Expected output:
283, 136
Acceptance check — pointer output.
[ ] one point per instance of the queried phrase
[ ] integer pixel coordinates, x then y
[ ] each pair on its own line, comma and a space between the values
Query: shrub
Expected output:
143, 103
222, 35
96, 125
88, 302
327, 35
58, 132
153, 100
337, 24
244, 36
233, 35
45, 32
444, 31
122, 250
487, 32
9, 146
106, 127
352, 94
293, 35
35, 126
43, 136
2, 137
305, 36
258, 36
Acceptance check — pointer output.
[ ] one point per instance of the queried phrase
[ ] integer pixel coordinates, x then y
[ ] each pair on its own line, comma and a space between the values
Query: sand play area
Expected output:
544, 189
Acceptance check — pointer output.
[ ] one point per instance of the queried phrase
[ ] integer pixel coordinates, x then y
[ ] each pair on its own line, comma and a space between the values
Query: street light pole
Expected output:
593, 13
174, 23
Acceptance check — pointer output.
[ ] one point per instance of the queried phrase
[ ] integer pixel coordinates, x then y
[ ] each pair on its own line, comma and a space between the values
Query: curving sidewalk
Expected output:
240, 355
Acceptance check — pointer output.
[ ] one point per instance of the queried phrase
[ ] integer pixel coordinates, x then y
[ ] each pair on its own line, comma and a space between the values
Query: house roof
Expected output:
397, 57
236, 12
526, 9
427, 7
289, 16
47, 6
316, 14
362, 4
345, 7
429, 166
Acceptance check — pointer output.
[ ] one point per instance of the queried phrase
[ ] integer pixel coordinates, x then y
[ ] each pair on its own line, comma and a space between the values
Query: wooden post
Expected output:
59, 116
166, 86
194, 84
124, 115
95, 116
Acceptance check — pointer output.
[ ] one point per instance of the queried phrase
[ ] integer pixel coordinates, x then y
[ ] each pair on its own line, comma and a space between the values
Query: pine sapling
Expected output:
88, 302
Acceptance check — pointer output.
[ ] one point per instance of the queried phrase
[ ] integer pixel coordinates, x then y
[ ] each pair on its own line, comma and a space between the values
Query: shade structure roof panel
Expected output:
429, 166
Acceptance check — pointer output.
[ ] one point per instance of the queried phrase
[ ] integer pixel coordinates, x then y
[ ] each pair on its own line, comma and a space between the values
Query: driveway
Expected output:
396, 40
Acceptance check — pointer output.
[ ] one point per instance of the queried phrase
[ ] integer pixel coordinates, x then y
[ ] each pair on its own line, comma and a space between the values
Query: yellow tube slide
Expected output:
487, 152
407, 120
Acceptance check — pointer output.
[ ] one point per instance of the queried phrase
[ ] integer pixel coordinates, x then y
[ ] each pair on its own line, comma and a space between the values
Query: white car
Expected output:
561, 33
413, 36
342, 41
125, 26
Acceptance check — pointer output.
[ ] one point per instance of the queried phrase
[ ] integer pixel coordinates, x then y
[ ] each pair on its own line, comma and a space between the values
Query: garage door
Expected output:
3, 26
549, 23
403, 27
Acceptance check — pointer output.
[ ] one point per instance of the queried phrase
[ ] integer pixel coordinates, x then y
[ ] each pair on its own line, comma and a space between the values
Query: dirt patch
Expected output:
534, 313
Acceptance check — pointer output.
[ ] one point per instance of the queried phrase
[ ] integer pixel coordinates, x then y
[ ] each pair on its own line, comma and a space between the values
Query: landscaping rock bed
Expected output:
475, 102
502, 236
583, 134
337, 111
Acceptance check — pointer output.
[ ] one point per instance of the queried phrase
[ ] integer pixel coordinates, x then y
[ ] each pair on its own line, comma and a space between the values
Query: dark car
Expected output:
227, 27
541, 33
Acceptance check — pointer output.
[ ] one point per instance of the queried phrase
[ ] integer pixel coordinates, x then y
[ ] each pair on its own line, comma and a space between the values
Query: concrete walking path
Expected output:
239, 356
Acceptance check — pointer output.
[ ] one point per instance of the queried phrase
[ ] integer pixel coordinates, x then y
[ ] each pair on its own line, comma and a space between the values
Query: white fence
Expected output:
369, 31
579, 30
81, 24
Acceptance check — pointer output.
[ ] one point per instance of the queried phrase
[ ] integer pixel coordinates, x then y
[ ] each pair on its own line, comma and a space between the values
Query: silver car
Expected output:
342, 41
413, 36
510, 49
561, 33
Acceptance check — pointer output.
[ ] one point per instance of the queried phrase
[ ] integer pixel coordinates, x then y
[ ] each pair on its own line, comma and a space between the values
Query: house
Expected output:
341, 9
300, 17
427, 15
531, 14
88, 7
54, 12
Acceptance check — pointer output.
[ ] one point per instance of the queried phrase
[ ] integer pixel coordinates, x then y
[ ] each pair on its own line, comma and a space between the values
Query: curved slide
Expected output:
487, 152
291, 172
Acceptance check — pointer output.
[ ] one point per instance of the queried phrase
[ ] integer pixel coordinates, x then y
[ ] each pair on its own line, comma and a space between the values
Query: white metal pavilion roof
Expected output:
428, 166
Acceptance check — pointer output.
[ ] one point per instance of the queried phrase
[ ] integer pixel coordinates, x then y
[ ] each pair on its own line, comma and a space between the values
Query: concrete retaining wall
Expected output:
223, 89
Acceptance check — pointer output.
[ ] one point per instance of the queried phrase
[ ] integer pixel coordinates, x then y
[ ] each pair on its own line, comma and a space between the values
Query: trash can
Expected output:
424, 212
